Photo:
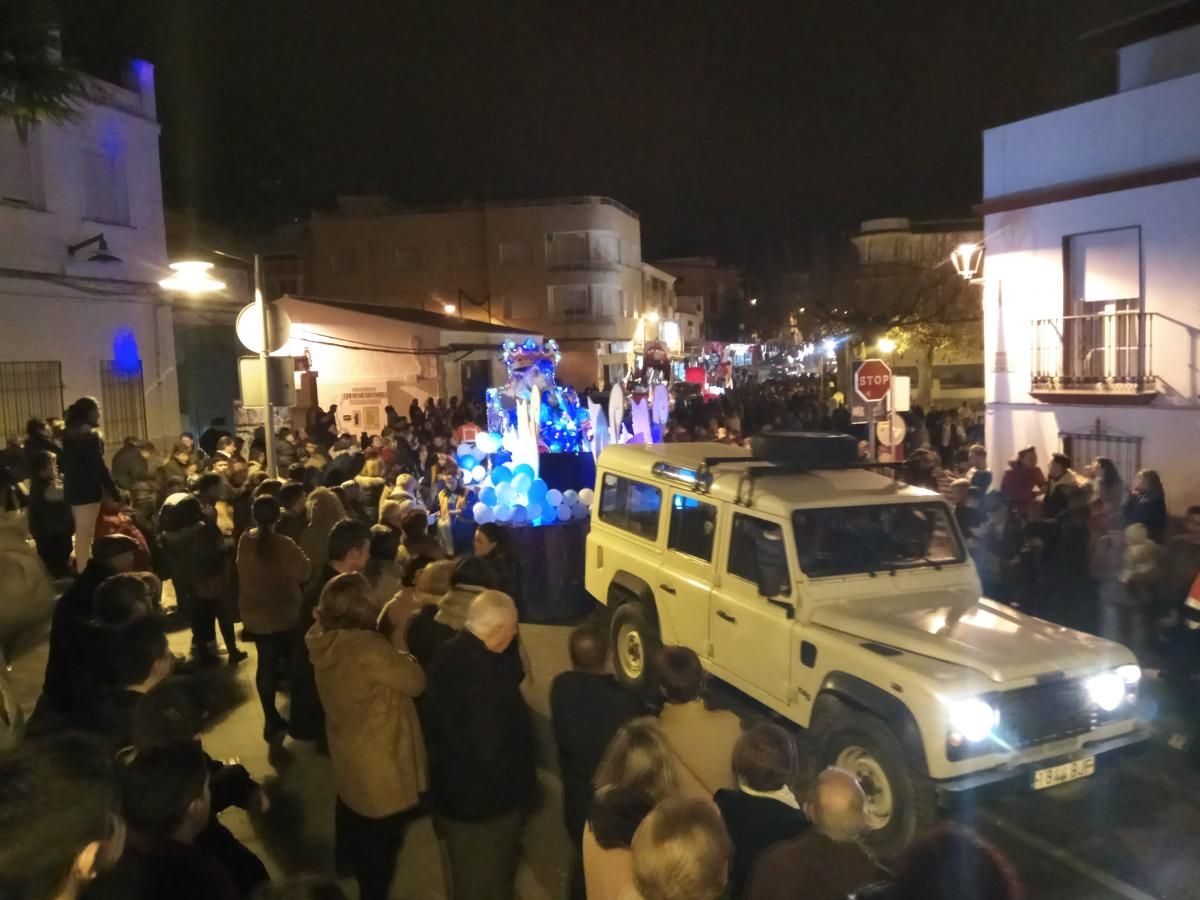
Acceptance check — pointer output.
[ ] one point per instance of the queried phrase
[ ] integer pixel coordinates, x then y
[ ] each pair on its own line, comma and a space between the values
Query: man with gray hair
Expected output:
481, 749
826, 862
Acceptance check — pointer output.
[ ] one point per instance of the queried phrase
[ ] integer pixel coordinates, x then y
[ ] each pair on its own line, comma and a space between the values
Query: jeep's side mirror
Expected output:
771, 557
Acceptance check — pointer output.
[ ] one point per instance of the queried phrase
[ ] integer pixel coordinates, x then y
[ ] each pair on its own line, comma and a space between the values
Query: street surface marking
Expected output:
1070, 860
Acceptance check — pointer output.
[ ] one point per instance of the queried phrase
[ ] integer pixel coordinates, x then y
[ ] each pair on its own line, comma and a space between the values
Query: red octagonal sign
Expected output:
873, 380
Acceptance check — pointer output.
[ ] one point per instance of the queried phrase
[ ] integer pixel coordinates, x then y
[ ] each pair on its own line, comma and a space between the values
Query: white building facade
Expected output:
1092, 268
81, 251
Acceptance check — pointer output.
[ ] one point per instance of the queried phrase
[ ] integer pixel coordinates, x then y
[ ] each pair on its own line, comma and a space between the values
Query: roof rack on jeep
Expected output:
794, 453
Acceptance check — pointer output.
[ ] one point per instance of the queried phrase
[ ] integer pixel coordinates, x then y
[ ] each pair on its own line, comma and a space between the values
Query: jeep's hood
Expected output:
979, 634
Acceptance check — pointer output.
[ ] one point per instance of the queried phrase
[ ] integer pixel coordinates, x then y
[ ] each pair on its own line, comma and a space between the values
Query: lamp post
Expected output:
888, 346
191, 277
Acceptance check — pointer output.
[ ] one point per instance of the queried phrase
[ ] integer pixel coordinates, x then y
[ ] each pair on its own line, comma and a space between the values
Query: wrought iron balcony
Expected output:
585, 265
1101, 356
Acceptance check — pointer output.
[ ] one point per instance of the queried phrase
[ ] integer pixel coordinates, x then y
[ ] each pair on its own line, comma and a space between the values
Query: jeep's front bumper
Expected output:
950, 788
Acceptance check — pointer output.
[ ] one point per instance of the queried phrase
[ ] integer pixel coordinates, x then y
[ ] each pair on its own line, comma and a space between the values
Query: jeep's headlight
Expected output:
973, 719
1107, 690
1130, 674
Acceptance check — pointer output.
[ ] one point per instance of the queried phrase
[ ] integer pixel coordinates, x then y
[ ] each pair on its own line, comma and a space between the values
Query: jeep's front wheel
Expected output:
900, 802
634, 643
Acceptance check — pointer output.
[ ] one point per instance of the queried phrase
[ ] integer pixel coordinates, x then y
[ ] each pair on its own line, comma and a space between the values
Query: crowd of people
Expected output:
390, 622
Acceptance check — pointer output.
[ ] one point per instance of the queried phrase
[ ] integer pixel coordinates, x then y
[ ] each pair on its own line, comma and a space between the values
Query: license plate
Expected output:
1056, 775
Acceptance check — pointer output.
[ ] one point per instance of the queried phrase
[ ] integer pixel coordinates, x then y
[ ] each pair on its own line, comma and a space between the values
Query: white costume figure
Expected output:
529, 412
640, 410
601, 437
616, 413
661, 405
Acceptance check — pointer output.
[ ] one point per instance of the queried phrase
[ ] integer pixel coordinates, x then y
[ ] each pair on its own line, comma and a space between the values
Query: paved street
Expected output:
1133, 834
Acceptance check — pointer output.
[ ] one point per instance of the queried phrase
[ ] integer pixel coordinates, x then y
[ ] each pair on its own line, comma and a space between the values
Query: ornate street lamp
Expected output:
968, 260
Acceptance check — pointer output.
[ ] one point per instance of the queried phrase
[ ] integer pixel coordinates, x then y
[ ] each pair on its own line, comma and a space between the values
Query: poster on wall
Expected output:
360, 408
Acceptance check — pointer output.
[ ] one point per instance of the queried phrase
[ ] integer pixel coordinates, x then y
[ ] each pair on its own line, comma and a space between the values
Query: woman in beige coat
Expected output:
367, 688
637, 773
271, 570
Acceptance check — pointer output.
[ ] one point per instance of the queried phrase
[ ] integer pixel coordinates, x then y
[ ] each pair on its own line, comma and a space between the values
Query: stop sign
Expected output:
873, 380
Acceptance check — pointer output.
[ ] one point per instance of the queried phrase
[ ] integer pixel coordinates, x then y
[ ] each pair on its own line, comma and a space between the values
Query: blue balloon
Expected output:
488, 496
537, 491
527, 469
501, 475
467, 462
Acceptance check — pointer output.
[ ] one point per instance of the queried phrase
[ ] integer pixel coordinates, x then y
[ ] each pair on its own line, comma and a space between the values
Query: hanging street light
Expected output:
968, 260
191, 277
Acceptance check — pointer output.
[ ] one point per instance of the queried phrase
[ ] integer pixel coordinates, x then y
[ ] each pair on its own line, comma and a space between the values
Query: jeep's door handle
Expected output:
721, 614
667, 588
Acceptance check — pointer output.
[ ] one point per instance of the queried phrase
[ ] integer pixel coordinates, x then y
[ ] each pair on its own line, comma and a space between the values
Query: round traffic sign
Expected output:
892, 430
873, 380
250, 331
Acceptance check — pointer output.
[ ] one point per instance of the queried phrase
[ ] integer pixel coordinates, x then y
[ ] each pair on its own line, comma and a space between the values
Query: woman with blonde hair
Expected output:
370, 482
681, 852
375, 742
637, 773
324, 510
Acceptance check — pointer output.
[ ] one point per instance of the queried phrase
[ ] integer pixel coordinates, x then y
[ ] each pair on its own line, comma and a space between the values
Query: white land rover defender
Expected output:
847, 603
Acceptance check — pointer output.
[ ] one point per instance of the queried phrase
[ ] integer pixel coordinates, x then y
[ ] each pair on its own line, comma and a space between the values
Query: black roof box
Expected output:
812, 449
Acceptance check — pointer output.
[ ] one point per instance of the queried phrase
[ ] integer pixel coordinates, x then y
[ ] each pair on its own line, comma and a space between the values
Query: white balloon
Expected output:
478, 473
571, 497
503, 513
580, 511
486, 442
510, 441
505, 492
519, 515
564, 513
484, 516
554, 497
586, 496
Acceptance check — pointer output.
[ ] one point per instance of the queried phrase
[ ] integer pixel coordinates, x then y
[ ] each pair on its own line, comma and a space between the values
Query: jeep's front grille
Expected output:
1042, 713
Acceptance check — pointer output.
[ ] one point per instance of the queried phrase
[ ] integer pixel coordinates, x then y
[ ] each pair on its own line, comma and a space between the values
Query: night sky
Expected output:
734, 128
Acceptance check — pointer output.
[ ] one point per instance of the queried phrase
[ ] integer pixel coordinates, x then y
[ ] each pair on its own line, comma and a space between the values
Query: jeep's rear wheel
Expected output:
634, 643
900, 800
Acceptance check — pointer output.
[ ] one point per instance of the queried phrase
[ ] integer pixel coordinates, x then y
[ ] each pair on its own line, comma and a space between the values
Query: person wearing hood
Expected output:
324, 511
367, 689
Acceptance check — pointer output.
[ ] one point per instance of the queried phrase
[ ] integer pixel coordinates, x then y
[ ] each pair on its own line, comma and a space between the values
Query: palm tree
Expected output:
34, 83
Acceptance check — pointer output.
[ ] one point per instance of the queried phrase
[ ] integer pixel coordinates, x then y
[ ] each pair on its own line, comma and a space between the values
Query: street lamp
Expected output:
449, 309
887, 345
191, 277
754, 301
967, 259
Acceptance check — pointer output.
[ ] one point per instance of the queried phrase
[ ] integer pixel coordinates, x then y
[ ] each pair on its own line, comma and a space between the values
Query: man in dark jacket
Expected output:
69, 684
826, 862
481, 750
345, 465
166, 801
587, 707
212, 434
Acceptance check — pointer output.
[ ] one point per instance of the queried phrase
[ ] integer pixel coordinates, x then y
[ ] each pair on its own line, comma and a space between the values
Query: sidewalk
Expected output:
297, 834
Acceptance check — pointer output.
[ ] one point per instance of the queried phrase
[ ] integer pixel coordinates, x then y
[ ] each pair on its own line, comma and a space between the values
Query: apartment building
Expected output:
81, 251
569, 268
1091, 222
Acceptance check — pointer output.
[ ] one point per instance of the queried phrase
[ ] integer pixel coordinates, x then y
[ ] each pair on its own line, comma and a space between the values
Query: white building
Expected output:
81, 252
364, 357
1091, 275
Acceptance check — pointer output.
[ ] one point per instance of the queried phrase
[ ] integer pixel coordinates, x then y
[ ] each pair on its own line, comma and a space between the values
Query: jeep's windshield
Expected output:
850, 540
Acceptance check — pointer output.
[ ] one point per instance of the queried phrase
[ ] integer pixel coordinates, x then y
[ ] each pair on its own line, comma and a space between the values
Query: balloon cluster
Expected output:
513, 494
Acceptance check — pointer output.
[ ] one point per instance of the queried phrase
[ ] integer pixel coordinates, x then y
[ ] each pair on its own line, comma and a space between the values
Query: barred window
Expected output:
29, 390
122, 401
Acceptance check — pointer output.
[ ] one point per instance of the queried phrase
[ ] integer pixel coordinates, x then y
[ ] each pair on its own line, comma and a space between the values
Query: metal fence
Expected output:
1123, 449
28, 390
1105, 348
123, 402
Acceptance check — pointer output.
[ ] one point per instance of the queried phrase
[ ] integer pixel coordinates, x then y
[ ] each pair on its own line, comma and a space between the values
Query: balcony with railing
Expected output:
1104, 357
584, 265
586, 317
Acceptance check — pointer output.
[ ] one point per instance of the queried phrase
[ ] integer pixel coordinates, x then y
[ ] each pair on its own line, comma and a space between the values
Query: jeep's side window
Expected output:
747, 539
693, 524
630, 505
